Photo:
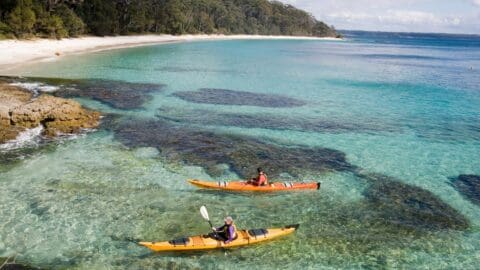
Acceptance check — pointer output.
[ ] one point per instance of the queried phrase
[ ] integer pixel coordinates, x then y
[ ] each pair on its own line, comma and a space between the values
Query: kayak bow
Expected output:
205, 242
243, 186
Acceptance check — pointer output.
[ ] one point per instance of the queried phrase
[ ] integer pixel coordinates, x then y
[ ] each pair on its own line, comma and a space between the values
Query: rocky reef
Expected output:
469, 186
117, 94
269, 121
11, 264
209, 150
20, 110
233, 97
390, 201
408, 206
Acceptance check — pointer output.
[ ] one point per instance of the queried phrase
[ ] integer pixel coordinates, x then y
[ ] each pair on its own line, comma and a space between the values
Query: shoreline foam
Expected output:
14, 53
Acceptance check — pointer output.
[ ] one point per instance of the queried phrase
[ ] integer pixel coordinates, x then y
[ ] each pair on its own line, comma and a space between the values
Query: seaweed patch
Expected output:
118, 94
469, 186
409, 206
208, 150
269, 121
393, 203
232, 97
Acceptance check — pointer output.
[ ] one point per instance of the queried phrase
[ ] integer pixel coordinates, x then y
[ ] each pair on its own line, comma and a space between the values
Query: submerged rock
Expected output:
241, 153
11, 264
11, 157
392, 202
468, 186
19, 111
409, 206
232, 97
267, 121
118, 94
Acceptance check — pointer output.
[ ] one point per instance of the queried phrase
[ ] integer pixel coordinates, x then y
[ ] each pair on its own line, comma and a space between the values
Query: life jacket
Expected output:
226, 231
262, 179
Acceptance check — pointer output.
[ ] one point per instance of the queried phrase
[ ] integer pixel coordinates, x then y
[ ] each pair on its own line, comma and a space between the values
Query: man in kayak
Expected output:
260, 180
228, 232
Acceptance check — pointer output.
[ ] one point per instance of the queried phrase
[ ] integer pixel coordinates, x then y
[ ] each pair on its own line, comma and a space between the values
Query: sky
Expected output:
440, 16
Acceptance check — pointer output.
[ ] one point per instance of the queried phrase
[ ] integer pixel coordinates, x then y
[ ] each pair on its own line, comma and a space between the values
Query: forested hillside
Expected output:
71, 18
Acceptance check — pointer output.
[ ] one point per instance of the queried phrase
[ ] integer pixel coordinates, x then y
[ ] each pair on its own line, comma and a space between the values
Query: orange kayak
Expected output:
205, 242
244, 186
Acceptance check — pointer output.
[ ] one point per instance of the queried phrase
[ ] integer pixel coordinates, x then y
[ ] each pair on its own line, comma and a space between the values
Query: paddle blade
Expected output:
204, 212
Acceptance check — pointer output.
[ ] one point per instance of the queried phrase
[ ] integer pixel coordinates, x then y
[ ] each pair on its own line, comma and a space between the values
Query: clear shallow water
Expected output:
404, 107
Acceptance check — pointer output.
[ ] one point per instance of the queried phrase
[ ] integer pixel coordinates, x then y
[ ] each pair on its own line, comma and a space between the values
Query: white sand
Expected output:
17, 52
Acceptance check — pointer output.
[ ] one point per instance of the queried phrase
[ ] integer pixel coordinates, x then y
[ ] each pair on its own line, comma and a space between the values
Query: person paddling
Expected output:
226, 233
260, 180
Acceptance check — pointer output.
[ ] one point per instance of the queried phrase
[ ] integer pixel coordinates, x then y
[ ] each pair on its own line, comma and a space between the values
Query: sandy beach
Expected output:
17, 52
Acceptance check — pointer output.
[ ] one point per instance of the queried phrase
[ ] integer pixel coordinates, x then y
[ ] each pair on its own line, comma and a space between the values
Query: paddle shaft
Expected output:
204, 212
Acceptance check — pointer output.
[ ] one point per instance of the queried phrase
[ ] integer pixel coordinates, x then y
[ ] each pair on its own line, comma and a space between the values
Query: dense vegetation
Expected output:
70, 18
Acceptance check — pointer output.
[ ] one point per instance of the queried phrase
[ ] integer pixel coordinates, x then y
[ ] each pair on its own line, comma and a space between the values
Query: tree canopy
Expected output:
70, 18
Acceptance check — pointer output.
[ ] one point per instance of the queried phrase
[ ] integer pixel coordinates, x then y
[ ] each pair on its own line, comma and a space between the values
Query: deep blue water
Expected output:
415, 39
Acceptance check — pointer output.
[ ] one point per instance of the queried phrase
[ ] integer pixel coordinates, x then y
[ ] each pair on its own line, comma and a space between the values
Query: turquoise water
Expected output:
392, 106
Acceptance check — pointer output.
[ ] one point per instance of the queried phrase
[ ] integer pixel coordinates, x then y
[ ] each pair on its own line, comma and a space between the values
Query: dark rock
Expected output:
12, 157
37, 209
232, 97
243, 154
118, 94
267, 121
410, 206
468, 186
109, 120
403, 56
194, 70
11, 264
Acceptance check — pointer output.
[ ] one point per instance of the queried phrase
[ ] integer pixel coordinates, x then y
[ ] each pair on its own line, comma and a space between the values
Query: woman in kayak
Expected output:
260, 180
228, 232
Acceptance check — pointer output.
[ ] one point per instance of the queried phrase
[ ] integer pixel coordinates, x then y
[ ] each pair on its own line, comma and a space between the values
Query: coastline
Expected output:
14, 53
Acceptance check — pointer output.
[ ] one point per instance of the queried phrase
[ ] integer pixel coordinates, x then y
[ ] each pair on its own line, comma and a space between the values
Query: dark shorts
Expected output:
220, 236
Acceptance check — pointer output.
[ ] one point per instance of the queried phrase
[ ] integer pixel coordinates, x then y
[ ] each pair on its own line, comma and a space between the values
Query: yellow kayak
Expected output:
205, 242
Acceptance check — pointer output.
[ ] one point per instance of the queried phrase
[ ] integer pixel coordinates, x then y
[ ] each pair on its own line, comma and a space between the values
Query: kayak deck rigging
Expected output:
205, 242
244, 186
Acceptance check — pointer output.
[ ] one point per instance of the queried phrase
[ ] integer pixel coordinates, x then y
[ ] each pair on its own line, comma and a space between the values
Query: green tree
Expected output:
137, 14
5, 31
6, 6
22, 19
101, 17
58, 18
42, 17
73, 25
55, 27
175, 17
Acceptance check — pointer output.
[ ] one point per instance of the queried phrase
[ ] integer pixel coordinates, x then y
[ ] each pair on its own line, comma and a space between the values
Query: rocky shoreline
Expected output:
21, 110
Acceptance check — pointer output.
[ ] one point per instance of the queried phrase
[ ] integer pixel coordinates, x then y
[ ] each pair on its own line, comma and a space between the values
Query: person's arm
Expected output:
231, 234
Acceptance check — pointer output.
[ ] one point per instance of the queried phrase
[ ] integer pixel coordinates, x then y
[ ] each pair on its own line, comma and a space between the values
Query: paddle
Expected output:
204, 212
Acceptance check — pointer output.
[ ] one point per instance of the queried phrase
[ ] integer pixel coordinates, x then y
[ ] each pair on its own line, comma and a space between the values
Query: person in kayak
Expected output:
260, 180
226, 233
